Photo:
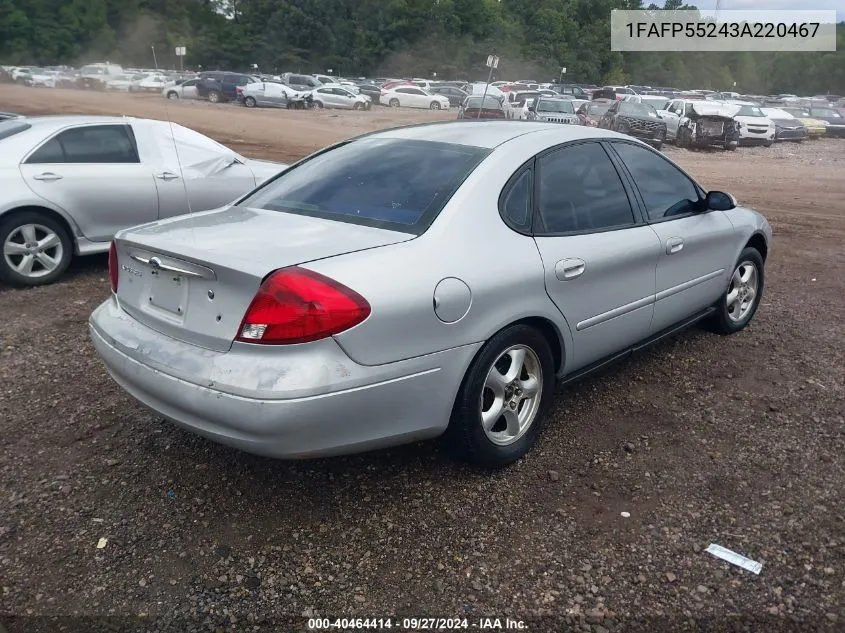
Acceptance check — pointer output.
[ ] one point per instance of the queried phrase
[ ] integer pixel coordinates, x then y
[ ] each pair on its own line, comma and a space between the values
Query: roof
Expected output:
491, 134
60, 121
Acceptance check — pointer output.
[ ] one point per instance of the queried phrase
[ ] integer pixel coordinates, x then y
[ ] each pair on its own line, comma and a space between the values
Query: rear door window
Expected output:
101, 144
397, 184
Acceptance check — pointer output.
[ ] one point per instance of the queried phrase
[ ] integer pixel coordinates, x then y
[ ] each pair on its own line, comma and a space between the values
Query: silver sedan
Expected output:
69, 183
418, 281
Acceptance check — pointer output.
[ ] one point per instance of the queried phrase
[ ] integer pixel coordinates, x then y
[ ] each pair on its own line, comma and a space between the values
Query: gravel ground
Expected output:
704, 439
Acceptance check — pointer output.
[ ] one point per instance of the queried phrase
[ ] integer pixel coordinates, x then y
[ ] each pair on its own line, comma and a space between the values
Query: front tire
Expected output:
214, 96
738, 304
172, 95
35, 249
249, 102
500, 408
393, 103
435, 105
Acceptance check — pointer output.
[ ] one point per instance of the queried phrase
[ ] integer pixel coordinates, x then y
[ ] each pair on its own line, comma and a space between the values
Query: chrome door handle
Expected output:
47, 176
166, 175
570, 268
674, 245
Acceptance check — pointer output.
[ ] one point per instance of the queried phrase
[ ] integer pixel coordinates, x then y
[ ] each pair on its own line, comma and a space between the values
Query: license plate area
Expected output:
168, 293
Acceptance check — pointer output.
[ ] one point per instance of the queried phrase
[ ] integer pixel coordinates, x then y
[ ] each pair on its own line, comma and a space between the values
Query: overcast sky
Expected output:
837, 5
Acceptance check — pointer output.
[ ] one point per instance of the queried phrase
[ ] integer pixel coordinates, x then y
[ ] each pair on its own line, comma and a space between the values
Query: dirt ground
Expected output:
704, 439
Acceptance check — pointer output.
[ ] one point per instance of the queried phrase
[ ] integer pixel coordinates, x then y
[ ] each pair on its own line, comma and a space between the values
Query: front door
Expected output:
697, 246
599, 258
95, 174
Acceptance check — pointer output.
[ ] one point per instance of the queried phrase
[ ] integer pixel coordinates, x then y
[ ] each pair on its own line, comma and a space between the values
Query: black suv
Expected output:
219, 86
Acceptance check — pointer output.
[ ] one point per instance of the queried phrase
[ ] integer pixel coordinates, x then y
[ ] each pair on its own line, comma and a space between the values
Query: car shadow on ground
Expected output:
89, 266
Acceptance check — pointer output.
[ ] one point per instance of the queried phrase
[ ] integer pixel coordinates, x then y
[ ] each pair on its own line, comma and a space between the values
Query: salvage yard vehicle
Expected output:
832, 117
517, 104
639, 120
708, 124
269, 94
816, 128
186, 89
218, 86
413, 97
553, 110
289, 339
754, 126
591, 113
337, 96
472, 108
787, 127
69, 183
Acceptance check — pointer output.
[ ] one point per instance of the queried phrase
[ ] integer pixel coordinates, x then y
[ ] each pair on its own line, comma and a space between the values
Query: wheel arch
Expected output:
758, 242
65, 222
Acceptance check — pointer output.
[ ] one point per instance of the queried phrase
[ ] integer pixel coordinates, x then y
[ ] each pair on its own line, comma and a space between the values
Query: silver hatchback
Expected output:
419, 281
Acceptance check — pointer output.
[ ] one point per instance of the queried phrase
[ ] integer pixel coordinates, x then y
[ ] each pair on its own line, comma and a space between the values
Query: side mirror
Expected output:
719, 201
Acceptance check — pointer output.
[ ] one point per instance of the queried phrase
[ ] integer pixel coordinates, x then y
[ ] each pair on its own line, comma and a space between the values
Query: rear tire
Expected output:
14, 232
734, 310
249, 102
509, 402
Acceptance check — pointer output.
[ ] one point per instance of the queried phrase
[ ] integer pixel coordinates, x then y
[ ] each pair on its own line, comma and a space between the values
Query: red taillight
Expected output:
295, 305
113, 266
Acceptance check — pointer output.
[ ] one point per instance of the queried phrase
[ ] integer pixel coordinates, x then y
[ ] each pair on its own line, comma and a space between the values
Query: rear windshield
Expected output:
637, 109
555, 105
12, 127
394, 184
491, 103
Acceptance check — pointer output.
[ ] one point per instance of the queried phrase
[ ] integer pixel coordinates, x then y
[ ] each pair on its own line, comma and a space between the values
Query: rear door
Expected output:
696, 247
95, 174
599, 257
196, 172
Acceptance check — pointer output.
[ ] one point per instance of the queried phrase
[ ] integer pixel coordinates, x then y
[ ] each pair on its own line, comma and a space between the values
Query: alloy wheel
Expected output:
742, 291
33, 250
510, 399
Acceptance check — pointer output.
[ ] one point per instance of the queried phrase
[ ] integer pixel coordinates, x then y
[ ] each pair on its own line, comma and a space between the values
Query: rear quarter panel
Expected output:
468, 241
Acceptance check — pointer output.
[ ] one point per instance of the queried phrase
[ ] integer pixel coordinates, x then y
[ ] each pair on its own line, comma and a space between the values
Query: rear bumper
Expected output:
294, 402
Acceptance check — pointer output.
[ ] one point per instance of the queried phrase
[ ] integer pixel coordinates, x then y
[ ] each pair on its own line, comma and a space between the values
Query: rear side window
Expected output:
94, 144
517, 203
396, 184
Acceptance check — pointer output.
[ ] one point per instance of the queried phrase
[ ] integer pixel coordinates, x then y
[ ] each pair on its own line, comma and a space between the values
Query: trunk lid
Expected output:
193, 277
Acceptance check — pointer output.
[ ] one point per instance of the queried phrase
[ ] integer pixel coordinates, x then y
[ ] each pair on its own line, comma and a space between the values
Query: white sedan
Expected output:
413, 97
69, 183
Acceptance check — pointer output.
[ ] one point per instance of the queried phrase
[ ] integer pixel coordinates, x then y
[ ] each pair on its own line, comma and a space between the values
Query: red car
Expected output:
592, 112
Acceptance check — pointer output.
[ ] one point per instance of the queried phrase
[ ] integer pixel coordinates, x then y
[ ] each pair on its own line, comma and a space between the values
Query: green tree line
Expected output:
452, 38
